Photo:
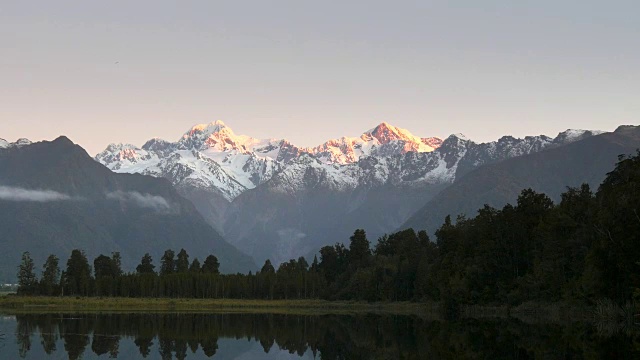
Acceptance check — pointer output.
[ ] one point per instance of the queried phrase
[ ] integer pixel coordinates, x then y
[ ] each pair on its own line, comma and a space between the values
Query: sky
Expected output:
126, 71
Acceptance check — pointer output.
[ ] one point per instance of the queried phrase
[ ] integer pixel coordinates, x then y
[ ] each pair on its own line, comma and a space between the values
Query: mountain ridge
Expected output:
550, 171
54, 197
246, 193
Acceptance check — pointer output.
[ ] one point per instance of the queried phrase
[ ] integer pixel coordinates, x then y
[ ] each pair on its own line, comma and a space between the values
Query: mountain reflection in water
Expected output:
277, 336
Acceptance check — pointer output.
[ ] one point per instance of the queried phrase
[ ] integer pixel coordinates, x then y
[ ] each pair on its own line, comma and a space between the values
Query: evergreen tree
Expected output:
613, 269
27, 281
211, 265
195, 266
267, 279
103, 266
78, 274
182, 263
267, 268
116, 263
359, 249
50, 276
168, 263
146, 265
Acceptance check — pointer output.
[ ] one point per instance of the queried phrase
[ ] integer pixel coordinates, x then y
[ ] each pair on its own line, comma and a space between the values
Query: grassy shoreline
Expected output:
50, 304
531, 312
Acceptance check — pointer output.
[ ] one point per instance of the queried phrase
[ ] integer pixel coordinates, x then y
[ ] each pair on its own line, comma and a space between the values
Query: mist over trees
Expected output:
584, 248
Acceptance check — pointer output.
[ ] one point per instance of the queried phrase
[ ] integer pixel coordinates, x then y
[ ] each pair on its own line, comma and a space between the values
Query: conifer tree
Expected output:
211, 265
50, 276
182, 263
27, 280
77, 274
146, 265
168, 263
195, 266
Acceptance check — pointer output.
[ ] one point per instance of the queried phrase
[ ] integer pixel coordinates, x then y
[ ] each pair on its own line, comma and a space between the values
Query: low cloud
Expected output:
10, 193
147, 201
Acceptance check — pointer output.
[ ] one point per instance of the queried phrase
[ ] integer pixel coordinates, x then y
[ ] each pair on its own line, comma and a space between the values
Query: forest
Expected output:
584, 248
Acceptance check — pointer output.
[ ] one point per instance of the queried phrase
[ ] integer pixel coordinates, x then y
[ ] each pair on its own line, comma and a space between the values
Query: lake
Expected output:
278, 336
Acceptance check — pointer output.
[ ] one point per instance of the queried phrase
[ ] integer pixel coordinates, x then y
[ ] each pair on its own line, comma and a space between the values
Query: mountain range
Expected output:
273, 199
54, 197
550, 172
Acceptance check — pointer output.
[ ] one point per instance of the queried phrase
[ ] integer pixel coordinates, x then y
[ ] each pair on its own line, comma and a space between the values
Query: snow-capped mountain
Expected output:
309, 203
4, 144
383, 140
208, 156
212, 156
550, 172
275, 200
211, 165
453, 157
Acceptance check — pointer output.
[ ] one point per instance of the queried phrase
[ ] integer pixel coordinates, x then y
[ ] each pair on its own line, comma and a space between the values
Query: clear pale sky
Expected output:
126, 71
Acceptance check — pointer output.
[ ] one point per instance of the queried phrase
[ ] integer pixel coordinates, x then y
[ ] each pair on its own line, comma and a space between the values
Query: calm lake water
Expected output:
271, 336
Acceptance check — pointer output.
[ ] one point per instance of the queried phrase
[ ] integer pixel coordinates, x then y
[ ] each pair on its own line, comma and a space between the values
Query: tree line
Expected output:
585, 247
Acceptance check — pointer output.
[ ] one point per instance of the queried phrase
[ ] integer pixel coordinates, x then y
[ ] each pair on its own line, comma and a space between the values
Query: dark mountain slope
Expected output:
549, 171
96, 210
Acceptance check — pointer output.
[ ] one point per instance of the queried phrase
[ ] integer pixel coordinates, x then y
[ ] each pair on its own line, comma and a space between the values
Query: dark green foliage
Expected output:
614, 257
77, 277
267, 268
195, 266
182, 263
102, 266
146, 265
107, 270
50, 283
359, 249
168, 263
211, 265
27, 281
116, 263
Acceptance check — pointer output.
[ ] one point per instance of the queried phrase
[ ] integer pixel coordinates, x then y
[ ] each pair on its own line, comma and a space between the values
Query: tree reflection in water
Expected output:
324, 336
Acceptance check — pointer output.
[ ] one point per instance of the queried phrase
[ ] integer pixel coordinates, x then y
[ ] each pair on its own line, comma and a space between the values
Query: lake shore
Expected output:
531, 312
57, 304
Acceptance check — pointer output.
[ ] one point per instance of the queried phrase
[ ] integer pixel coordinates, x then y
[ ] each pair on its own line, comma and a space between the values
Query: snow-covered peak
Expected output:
115, 147
116, 156
454, 141
212, 157
208, 129
156, 144
215, 135
383, 140
22, 142
571, 135
18, 143
386, 133
218, 137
